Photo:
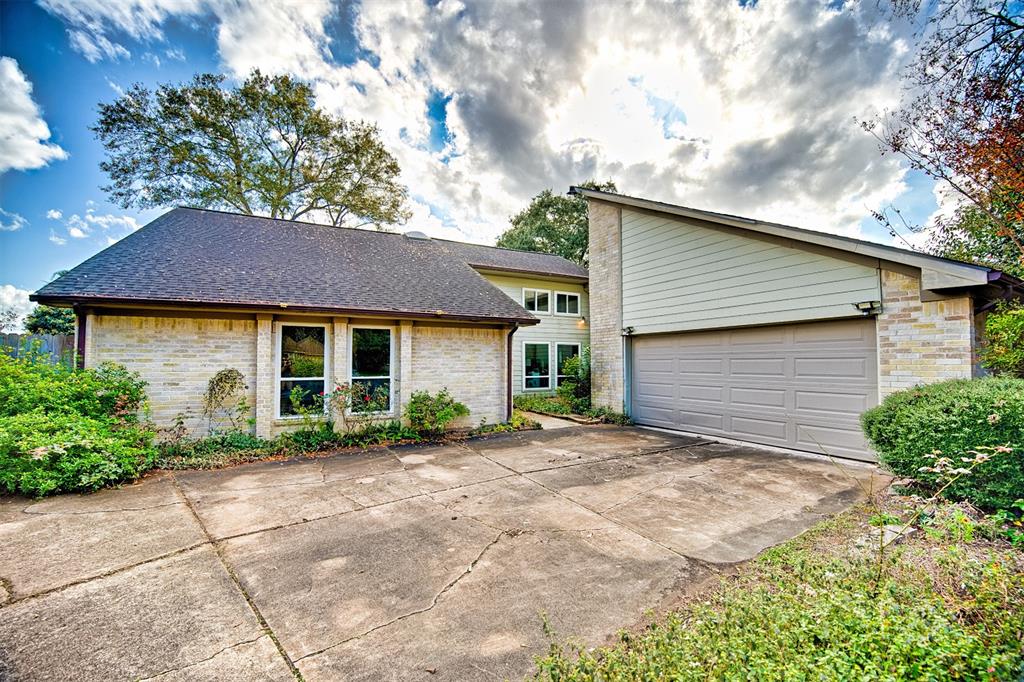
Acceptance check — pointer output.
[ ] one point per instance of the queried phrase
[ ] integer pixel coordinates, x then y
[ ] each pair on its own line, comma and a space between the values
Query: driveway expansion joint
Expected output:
218, 550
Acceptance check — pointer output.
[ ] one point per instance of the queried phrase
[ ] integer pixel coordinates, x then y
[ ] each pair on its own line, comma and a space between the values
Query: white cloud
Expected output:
746, 110
11, 222
13, 298
24, 135
82, 226
57, 239
96, 47
54, 214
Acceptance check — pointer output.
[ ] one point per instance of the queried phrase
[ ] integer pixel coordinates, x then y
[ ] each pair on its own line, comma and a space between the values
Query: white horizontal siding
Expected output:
552, 328
678, 275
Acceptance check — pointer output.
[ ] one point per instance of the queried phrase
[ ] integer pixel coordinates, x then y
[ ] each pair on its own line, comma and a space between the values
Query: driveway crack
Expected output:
201, 661
433, 602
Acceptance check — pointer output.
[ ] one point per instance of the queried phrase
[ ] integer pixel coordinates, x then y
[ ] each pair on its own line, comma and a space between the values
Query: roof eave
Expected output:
67, 300
936, 273
536, 274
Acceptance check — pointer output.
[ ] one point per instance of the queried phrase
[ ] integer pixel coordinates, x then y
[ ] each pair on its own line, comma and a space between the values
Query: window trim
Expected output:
391, 368
278, 343
523, 369
579, 304
579, 349
538, 291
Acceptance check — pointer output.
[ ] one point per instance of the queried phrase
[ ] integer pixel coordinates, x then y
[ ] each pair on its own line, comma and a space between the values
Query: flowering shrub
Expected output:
927, 432
65, 430
433, 413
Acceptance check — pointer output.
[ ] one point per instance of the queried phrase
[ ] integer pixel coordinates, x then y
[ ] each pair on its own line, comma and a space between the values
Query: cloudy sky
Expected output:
746, 108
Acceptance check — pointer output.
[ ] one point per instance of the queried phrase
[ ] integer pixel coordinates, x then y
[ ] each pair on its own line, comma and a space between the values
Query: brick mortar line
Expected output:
218, 550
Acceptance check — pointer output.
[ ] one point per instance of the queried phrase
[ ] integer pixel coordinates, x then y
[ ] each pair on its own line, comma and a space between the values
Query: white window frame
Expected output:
579, 304
577, 346
536, 388
391, 368
551, 301
279, 342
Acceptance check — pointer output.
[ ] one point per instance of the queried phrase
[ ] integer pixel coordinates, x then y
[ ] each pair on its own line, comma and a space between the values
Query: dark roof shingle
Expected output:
494, 258
193, 256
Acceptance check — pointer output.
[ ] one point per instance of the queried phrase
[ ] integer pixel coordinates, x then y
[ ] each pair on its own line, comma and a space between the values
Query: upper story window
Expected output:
537, 300
302, 372
566, 303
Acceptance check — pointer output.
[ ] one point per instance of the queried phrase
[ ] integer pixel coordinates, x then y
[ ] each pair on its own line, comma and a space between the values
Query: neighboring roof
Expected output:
200, 257
510, 260
936, 272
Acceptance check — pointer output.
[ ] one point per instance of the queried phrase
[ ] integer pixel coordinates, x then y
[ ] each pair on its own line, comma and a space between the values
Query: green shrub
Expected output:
214, 451
1003, 352
44, 453
609, 416
574, 390
955, 417
433, 413
544, 404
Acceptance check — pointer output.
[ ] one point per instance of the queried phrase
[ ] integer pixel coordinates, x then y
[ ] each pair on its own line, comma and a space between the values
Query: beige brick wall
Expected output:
469, 361
177, 356
606, 304
921, 341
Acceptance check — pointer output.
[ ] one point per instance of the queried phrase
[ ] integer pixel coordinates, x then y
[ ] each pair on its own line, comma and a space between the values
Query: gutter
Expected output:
508, 372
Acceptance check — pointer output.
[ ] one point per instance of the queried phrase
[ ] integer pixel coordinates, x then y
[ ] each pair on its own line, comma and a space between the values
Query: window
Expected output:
537, 300
566, 303
302, 369
536, 365
371, 364
564, 351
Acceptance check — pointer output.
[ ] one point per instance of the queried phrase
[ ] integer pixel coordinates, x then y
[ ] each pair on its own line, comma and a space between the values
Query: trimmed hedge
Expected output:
955, 417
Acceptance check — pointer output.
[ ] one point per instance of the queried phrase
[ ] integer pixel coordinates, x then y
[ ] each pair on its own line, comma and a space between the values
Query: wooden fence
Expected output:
59, 347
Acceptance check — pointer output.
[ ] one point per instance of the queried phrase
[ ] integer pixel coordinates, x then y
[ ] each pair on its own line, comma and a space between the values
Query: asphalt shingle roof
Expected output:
493, 258
194, 256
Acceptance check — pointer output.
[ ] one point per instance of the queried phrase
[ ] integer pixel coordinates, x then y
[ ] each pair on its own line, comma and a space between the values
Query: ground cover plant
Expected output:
69, 430
944, 604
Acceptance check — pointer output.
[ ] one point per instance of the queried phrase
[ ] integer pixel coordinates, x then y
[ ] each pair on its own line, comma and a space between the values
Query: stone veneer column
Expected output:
339, 362
605, 291
921, 342
264, 375
404, 387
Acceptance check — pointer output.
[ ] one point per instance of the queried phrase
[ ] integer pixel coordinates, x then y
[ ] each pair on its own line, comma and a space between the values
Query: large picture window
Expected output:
564, 351
567, 304
536, 365
303, 366
537, 300
371, 366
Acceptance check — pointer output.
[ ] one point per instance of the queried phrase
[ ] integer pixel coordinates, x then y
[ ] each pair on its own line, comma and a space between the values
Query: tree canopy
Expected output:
553, 223
963, 124
260, 148
46, 319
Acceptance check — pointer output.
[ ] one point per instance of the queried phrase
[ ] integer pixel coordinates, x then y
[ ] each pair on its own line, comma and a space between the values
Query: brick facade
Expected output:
606, 347
921, 341
469, 361
177, 356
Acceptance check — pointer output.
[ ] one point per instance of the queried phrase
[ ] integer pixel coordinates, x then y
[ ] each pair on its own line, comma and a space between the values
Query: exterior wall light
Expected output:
868, 307
627, 331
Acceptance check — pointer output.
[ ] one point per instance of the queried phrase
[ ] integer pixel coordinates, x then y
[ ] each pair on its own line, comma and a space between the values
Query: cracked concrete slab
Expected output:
161, 616
325, 581
70, 538
490, 625
538, 450
257, 661
440, 467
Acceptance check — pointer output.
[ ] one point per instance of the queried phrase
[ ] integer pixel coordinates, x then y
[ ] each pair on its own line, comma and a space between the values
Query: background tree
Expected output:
553, 223
46, 319
963, 124
9, 320
261, 148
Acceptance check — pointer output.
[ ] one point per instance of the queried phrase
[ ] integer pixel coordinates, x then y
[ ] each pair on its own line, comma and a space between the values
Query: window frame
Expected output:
548, 375
538, 291
391, 368
579, 349
278, 356
579, 304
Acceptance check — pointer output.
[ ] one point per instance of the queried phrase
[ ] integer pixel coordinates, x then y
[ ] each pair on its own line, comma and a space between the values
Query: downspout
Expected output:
80, 318
508, 372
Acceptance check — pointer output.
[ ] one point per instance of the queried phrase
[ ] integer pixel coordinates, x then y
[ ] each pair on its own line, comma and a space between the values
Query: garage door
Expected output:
800, 386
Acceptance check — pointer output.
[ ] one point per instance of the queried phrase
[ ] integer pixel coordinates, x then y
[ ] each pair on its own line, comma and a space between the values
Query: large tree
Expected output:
553, 223
46, 319
260, 148
963, 124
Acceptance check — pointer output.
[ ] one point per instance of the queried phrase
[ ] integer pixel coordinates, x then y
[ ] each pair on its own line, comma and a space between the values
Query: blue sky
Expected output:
484, 104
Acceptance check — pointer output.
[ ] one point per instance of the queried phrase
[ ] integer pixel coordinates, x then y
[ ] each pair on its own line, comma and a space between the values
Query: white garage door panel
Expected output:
800, 386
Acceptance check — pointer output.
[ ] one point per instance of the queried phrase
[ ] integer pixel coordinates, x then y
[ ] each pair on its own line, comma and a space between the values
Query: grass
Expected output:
945, 604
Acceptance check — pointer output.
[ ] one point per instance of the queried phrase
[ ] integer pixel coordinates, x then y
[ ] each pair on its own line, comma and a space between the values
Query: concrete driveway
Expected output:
405, 563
